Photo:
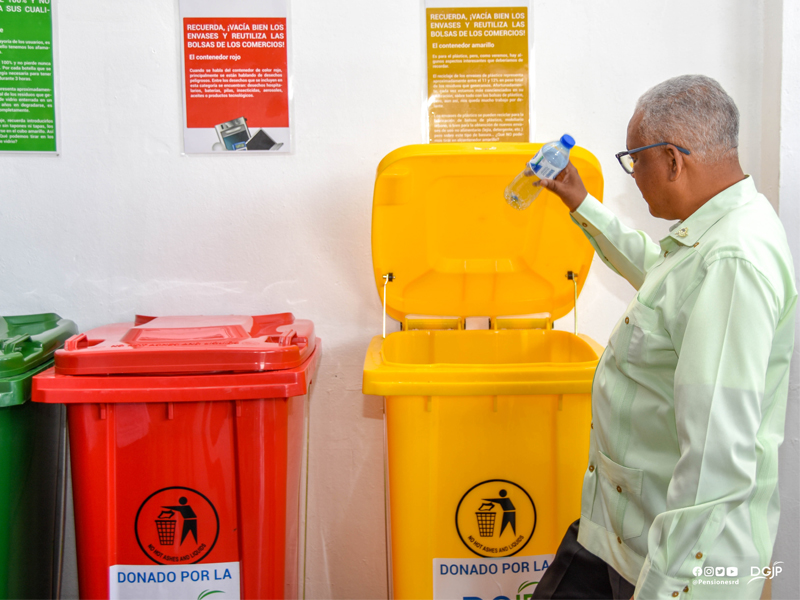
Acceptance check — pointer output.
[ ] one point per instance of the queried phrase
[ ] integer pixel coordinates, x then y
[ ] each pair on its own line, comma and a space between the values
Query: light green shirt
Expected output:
689, 398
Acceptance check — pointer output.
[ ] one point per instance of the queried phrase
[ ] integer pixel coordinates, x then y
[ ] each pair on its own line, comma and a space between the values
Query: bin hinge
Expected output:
386, 279
14, 344
574, 277
532, 321
432, 322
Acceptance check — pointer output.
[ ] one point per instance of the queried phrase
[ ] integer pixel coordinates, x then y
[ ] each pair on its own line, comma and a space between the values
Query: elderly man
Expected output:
689, 398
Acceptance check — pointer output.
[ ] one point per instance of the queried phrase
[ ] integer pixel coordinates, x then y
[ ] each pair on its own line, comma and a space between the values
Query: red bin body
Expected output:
187, 449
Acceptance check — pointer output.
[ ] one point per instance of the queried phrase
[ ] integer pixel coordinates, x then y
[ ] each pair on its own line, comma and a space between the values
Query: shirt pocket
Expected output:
641, 334
621, 490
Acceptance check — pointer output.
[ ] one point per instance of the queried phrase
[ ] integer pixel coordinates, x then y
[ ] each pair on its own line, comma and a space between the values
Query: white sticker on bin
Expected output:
513, 577
134, 582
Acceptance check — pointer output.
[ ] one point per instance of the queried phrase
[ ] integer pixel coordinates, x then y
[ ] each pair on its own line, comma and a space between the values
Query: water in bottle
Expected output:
547, 163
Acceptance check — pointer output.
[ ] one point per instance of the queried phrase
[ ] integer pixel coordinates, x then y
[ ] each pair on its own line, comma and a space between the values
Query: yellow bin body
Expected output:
487, 430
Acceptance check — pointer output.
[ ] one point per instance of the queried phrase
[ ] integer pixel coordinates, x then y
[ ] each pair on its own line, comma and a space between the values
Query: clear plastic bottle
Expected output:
547, 163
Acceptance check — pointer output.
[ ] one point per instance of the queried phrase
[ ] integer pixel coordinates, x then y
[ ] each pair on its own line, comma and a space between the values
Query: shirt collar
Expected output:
691, 229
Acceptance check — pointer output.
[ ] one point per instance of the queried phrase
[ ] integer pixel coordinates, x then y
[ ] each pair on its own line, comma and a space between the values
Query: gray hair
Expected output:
694, 112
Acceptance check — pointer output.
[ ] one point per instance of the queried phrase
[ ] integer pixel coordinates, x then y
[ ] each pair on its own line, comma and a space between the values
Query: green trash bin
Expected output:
32, 460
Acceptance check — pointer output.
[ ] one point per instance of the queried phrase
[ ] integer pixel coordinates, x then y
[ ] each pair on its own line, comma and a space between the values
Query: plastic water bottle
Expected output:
547, 163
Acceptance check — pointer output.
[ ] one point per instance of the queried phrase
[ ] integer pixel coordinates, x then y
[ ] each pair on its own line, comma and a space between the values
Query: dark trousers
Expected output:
577, 574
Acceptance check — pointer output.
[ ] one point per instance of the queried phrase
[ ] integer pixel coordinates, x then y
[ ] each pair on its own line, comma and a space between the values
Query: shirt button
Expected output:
584, 224
699, 555
627, 320
686, 590
665, 253
696, 245
619, 540
591, 425
591, 468
619, 489
675, 594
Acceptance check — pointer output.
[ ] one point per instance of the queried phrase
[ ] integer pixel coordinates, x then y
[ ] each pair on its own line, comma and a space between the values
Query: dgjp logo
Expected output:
766, 573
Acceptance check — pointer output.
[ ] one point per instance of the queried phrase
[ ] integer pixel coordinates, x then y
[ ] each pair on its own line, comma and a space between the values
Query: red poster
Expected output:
236, 84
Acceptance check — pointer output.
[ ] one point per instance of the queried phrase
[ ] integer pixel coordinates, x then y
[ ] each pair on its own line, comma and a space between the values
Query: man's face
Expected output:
651, 171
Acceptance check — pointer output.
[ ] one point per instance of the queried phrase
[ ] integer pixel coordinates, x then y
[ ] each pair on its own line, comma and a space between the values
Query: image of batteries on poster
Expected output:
236, 76
477, 84
27, 82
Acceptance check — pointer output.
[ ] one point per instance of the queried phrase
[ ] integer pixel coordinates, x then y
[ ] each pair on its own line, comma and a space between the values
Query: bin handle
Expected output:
14, 344
76, 342
287, 337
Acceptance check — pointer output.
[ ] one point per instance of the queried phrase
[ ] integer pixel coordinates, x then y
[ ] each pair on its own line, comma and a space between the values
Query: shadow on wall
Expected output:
340, 238
346, 551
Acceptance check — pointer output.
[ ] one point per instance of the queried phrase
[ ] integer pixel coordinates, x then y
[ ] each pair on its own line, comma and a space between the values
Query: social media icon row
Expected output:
716, 571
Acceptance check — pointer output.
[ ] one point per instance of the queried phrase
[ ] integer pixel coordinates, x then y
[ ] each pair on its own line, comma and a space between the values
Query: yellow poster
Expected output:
477, 85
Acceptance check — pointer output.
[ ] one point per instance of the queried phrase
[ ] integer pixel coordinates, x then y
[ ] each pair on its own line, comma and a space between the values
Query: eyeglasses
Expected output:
626, 162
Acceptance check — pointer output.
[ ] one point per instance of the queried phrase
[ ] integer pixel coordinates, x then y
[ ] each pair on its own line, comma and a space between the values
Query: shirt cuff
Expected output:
653, 585
592, 216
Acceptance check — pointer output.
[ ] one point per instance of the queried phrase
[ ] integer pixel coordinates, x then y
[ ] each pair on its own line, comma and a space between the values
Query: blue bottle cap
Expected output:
568, 141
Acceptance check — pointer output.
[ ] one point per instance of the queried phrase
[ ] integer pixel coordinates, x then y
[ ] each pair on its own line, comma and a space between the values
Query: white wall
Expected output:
121, 223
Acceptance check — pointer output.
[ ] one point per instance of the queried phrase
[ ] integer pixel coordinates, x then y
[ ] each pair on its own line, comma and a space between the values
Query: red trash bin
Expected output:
187, 439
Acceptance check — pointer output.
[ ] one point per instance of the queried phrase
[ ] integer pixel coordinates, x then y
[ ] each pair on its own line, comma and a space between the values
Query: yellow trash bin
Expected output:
487, 429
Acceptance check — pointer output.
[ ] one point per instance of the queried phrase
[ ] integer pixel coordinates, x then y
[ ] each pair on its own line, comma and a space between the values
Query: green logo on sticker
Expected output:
525, 584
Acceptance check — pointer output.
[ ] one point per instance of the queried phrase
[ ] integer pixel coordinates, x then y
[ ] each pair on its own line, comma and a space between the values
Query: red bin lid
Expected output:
176, 345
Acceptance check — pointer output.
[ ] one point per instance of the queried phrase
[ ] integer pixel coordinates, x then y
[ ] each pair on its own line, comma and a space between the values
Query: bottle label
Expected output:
542, 168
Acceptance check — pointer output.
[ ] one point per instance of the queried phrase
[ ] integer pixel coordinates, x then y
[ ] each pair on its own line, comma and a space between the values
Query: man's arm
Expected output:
627, 251
723, 336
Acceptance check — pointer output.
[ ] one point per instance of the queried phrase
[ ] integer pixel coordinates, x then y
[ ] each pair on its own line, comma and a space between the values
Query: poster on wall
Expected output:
27, 76
236, 76
478, 71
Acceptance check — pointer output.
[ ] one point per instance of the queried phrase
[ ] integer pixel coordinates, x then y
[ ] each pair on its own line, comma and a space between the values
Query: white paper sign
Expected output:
216, 581
511, 578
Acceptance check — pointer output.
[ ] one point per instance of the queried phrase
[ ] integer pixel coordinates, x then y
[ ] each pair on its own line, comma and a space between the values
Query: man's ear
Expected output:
676, 164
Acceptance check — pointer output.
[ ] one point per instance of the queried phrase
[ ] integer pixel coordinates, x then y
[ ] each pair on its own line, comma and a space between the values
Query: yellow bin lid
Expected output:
441, 226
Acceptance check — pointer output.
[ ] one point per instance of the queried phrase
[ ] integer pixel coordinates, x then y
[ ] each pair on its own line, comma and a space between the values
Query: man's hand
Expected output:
568, 186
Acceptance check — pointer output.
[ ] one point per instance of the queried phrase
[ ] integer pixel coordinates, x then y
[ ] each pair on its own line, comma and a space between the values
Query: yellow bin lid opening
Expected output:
441, 226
